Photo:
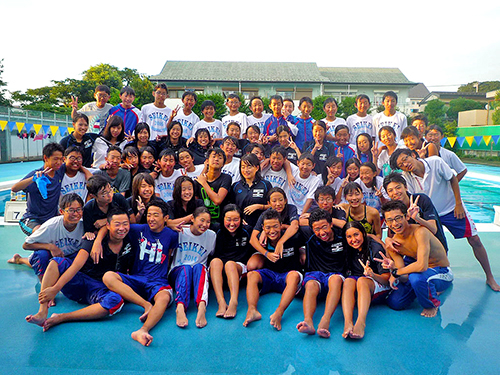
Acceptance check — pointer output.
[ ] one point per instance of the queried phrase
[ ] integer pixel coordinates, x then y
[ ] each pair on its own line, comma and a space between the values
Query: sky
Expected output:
440, 43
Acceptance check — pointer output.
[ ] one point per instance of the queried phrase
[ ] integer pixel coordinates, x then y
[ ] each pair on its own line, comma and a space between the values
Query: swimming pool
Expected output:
480, 187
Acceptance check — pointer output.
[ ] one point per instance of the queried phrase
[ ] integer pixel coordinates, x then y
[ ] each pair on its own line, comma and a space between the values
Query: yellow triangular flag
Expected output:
487, 139
37, 128
70, 130
469, 140
452, 140
3, 124
20, 126
54, 129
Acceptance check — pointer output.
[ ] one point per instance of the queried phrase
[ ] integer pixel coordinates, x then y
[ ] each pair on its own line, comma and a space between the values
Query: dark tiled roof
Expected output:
365, 75
419, 91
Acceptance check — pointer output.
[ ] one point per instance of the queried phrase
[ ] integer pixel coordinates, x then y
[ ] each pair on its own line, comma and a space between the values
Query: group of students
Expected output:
292, 206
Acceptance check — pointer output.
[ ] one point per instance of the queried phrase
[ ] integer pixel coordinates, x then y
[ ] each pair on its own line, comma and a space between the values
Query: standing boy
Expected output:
157, 114
319, 147
360, 122
233, 103
390, 117
232, 164
81, 138
126, 110
187, 117
97, 111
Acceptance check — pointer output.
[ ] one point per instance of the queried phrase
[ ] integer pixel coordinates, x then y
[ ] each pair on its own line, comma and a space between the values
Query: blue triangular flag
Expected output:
28, 127
11, 125
478, 139
46, 129
461, 141
63, 131
494, 138
443, 141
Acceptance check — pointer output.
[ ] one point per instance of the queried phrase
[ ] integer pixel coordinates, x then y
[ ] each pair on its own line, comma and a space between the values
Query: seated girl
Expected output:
367, 280
183, 203
143, 191
113, 134
200, 145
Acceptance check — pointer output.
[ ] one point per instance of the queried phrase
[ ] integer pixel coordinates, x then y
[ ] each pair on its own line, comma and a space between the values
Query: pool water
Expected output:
480, 187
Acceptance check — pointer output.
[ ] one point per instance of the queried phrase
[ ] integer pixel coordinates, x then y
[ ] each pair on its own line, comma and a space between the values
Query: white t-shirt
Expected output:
239, 118
156, 118
369, 195
303, 190
435, 183
76, 184
100, 150
97, 116
197, 171
214, 128
333, 124
187, 123
53, 231
194, 249
358, 125
233, 169
452, 160
336, 184
252, 120
165, 185
278, 178
398, 122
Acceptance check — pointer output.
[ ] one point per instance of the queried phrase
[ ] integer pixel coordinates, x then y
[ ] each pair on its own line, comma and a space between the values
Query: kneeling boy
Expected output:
280, 273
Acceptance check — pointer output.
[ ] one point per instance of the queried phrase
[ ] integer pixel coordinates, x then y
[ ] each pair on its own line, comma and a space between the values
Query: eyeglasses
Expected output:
325, 200
74, 158
71, 211
397, 219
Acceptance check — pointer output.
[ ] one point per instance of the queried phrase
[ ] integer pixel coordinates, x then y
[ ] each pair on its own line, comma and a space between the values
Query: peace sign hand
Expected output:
339, 152
375, 151
129, 137
368, 271
413, 209
141, 207
44, 172
387, 263
74, 102
175, 111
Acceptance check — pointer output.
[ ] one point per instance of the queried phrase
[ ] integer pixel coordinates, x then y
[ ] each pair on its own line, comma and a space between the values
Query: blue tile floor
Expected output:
462, 339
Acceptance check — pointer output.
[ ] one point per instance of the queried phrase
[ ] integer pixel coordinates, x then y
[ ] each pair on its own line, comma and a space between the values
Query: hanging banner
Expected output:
28, 127
494, 138
11, 124
37, 128
469, 140
20, 126
63, 130
443, 142
461, 141
452, 141
46, 129
478, 139
54, 129
3, 124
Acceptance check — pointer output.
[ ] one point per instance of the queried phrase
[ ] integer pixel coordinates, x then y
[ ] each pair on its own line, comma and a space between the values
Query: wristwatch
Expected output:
394, 273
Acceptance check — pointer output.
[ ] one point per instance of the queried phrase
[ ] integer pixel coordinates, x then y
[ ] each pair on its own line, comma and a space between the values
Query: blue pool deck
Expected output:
463, 338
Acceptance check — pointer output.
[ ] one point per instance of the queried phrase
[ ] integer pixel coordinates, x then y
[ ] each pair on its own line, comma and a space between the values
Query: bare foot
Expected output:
142, 336
252, 316
222, 310
276, 320
144, 316
54, 320
14, 259
348, 327
38, 319
323, 328
201, 320
429, 313
308, 328
491, 283
358, 332
231, 311
180, 316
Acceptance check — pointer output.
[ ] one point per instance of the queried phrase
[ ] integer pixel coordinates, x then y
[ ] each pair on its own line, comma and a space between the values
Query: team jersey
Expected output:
151, 250
164, 186
243, 196
324, 256
397, 121
233, 169
85, 145
278, 178
260, 122
321, 155
97, 116
92, 212
287, 216
76, 184
187, 122
358, 125
194, 249
272, 124
369, 194
290, 258
302, 190
235, 247
130, 116
331, 125
223, 181
304, 134
176, 211
239, 118
156, 118
348, 151
215, 128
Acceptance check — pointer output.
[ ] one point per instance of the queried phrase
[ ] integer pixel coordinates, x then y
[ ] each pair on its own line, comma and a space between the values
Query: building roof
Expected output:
365, 75
480, 96
239, 71
418, 92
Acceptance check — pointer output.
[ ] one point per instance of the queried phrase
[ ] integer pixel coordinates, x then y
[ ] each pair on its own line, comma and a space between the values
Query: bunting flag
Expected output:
452, 141
487, 139
37, 128
461, 141
28, 127
11, 125
46, 128
494, 138
63, 131
20, 126
3, 124
443, 142
54, 129
478, 139
469, 140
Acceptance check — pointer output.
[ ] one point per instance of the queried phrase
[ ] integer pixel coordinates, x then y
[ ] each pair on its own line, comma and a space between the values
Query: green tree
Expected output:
462, 104
347, 107
496, 106
104, 74
435, 111
317, 112
483, 86
3, 100
219, 101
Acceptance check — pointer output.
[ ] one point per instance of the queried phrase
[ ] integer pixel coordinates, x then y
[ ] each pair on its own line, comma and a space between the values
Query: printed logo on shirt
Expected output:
336, 247
276, 181
288, 252
191, 251
154, 250
258, 193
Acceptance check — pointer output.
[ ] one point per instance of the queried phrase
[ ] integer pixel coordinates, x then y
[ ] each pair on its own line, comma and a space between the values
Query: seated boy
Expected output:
152, 245
165, 175
232, 165
233, 102
325, 267
189, 267
75, 178
276, 173
280, 274
423, 279
301, 194
43, 188
129, 113
60, 236
81, 279
119, 178
325, 199
97, 112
